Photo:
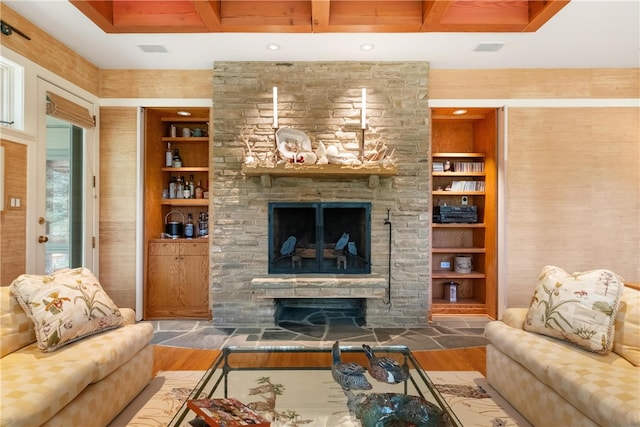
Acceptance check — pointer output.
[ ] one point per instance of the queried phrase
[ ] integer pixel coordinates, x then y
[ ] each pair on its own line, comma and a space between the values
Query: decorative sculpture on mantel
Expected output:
294, 146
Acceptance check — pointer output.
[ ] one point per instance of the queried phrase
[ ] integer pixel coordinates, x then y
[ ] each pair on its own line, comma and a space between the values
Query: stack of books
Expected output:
467, 186
226, 412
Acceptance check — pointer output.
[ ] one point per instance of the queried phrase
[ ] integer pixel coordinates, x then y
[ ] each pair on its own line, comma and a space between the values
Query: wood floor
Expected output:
467, 359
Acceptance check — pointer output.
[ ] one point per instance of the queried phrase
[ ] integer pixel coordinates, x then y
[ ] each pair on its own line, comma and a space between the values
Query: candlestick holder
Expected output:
362, 145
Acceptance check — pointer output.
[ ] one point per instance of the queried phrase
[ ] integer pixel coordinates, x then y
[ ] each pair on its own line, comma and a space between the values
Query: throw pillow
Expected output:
626, 341
579, 308
65, 306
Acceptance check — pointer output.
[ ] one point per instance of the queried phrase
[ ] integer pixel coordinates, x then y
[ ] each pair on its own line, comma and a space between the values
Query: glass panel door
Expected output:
64, 195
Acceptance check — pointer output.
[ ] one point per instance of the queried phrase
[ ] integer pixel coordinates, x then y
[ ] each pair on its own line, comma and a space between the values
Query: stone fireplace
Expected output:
389, 271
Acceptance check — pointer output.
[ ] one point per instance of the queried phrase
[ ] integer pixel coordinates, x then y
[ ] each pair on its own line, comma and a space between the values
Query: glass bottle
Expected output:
173, 187
199, 191
186, 191
188, 228
180, 188
177, 160
168, 156
192, 187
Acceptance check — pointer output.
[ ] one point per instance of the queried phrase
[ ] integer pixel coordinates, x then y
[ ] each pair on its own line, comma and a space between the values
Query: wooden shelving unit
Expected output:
176, 270
468, 141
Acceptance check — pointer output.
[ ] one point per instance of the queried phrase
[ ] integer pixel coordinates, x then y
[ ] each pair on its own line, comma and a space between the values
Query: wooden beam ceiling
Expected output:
318, 16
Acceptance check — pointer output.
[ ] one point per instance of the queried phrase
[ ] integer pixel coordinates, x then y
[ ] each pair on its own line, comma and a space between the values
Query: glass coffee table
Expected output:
293, 386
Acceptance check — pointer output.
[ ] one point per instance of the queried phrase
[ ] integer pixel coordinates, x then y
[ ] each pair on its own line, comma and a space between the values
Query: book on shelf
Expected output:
467, 186
468, 166
227, 412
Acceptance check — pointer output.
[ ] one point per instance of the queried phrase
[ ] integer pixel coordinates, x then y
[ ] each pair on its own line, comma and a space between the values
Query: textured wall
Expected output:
323, 100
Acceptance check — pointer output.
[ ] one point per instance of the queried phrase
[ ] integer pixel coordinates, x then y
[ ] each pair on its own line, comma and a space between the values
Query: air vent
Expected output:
153, 48
488, 47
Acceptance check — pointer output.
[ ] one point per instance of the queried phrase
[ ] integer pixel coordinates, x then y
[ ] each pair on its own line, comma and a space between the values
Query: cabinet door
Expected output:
163, 282
194, 291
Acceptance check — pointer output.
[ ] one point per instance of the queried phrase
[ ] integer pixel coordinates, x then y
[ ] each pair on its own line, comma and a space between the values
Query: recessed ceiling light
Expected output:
459, 112
367, 46
153, 48
184, 113
488, 47
273, 46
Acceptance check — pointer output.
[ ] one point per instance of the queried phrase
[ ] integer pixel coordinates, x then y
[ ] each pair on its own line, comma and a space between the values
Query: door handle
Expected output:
43, 239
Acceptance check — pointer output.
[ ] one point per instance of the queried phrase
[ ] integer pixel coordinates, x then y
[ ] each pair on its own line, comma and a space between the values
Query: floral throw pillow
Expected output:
65, 306
579, 308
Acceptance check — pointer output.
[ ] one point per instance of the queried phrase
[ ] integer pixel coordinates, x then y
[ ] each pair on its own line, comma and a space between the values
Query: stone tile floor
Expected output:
322, 330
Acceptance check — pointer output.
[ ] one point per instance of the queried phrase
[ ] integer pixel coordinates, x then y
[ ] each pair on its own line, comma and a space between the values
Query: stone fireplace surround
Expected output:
321, 99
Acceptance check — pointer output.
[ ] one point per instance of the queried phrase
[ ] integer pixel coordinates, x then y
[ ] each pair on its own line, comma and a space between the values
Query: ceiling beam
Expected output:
320, 12
541, 11
210, 13
100, 12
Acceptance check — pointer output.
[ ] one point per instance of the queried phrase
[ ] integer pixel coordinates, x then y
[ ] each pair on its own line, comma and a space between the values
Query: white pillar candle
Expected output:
364, 108
275, 107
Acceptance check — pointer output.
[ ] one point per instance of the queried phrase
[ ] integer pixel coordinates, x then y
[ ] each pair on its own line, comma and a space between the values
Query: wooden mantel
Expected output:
373, 172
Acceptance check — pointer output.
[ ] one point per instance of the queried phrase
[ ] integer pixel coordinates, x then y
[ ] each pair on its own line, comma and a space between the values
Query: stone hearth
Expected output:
321, 99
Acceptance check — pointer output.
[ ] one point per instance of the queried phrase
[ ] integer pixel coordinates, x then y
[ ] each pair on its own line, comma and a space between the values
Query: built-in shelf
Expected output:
185, 202
185, 119
448, 274
457, 193
185, 139
458, 250
464, 306
458, 225
187, 169
463, 173
458, 173
459, 155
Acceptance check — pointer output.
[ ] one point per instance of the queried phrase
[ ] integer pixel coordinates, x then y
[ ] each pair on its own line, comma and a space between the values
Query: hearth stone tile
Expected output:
460, 341
428, 332
345, 332
472, 331
296, 314
451, 323
278, 336
160, 337
386, 334
176, 325
444, 330
423, 344
243, 331
360, 339
314, 331
316, 318
203, 338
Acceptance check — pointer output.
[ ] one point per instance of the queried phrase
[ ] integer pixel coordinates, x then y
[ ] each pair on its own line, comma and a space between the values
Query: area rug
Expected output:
469, 395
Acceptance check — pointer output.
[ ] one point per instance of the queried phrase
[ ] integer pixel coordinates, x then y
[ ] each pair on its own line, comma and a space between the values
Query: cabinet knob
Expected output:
43, 239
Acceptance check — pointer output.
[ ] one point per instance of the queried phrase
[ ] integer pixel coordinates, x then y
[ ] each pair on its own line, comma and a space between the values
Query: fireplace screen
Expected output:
319, 238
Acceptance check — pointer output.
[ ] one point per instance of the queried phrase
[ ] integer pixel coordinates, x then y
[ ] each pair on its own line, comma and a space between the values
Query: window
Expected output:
11, 94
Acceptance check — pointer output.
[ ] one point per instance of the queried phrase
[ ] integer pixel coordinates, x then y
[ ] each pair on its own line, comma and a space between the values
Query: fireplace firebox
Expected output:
330, 238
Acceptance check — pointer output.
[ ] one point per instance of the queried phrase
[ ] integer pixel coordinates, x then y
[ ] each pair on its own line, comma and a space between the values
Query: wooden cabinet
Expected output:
178, 279
177, 270
464, 179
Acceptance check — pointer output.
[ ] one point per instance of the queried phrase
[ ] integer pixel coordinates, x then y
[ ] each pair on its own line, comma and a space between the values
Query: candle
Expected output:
364, 108
275, 107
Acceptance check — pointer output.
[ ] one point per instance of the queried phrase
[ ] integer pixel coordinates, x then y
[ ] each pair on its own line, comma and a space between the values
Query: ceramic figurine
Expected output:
384, 369
349, 375
395, 409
